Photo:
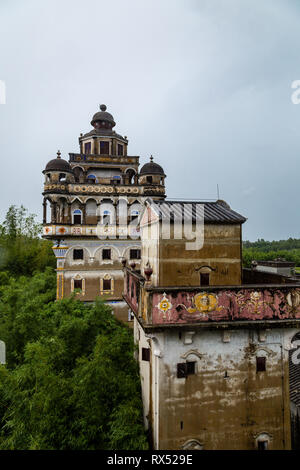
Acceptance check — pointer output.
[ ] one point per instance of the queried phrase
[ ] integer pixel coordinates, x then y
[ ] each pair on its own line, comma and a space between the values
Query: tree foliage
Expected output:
265, 251
22, 251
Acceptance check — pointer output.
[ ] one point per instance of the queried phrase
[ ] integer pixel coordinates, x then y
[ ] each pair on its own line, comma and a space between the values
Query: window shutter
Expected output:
182, 370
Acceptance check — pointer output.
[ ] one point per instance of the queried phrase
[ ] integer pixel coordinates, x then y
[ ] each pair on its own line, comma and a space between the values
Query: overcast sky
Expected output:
203, 85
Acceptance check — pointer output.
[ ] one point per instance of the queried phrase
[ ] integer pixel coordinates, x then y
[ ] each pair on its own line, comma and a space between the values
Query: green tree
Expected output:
22, 251
71, 381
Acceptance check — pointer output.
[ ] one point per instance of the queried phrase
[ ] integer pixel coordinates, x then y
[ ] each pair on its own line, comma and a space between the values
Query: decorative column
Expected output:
69, 214
83, 214
98, 212
45, 211
60, 252
53, 212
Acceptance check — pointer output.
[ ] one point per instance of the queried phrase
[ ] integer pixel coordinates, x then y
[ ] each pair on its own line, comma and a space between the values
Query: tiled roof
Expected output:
214, 212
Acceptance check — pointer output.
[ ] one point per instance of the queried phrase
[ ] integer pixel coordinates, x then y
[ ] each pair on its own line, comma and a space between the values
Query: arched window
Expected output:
77, 216
92, 179
106, 285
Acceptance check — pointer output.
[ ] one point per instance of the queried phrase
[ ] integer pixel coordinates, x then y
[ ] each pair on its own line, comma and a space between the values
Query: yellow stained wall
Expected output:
221, 251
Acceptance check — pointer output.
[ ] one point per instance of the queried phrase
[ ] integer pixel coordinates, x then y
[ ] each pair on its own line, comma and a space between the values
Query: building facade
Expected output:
95, 201
215, 341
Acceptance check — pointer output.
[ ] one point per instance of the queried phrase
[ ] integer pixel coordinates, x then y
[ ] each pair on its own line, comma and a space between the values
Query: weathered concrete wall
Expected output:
226, 404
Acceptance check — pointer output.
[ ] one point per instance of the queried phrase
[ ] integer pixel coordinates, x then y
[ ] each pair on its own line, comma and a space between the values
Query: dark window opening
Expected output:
78, 284
106, 254
120, 149
181, 425
137, 289
190, 368
87, 148
184, 369
145, 354
204, 279
77, 219
260, 364
135, 254
78, 254
106, 284
104, 148
149, 179
262, 445
62, 177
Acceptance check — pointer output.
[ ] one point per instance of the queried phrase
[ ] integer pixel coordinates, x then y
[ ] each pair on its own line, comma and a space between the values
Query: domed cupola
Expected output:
102, 119
152, 168
58, 169
58, 164
152, 173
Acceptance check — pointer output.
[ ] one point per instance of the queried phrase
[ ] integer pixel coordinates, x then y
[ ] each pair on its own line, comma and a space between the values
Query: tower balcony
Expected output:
96, 158
107, 231
104, 188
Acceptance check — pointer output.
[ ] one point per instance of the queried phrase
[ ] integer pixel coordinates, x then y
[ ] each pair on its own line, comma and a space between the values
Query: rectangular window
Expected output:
87, 148
78, 254
262, 445
78, 284
120, 149
184, 369
190, 368
135, 254
204, 279
145, 354
106, 254
104, 148
260, 364
106, 284
77, 219
149, 179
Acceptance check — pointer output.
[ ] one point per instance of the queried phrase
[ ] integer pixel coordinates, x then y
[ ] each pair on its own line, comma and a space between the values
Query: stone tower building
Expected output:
95, 200
218, 345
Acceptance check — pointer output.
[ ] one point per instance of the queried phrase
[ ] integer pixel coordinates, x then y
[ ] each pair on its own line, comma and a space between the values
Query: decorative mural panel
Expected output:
226, 305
